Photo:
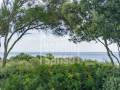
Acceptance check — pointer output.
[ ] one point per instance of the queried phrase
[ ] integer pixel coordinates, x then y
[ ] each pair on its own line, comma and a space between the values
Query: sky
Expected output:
42, 42
45, 42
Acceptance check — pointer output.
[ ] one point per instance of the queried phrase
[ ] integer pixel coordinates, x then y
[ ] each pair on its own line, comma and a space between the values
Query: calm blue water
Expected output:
100, 56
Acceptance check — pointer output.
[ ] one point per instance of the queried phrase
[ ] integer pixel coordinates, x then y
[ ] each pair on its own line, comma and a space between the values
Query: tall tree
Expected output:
94, 20
17, 17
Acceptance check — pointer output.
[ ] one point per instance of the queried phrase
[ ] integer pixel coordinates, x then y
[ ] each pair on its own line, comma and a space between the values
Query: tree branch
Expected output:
108, 50
19, 30
23, 33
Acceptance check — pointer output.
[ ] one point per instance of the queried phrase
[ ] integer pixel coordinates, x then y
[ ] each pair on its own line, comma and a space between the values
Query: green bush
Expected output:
49, 56
112, 82
34, 76
22, 56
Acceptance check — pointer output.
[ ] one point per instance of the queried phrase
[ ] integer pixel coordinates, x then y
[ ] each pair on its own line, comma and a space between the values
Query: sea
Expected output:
99, 56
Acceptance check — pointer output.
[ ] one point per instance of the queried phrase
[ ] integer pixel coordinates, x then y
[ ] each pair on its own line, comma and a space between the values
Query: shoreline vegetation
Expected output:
25, 72
50, 59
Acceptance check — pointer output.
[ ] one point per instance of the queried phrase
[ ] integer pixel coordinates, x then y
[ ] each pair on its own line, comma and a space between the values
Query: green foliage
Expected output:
91, 19
32, 75
112, 82
22, 56
21, 16
50, 56
38, 56
94, 20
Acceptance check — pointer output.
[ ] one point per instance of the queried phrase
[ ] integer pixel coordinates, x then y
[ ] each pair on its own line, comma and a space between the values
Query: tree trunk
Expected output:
108, 52
4, 59
5, 54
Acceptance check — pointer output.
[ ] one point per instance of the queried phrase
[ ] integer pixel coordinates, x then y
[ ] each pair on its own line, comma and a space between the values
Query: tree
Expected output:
17, 17
49, 56
94, 20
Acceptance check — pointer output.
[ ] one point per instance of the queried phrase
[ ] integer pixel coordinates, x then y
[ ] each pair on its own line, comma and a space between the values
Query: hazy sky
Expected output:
41, 42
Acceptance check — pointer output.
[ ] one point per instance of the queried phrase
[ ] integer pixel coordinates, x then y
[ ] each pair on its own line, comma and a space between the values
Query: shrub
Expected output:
112, 82
22, 56
50, 56
34, 76
38, 56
